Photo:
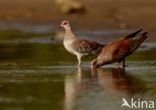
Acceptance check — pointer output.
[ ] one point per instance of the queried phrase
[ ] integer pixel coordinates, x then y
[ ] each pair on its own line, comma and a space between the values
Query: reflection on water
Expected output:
42, 76
103, 85
71, 88
116, 81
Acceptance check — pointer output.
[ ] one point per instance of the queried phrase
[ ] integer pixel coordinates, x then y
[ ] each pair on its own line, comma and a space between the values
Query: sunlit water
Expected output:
43, 76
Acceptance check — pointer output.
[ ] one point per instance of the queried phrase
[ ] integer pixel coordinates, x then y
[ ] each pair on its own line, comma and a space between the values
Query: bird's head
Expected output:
96, 63
93, 63
65, 24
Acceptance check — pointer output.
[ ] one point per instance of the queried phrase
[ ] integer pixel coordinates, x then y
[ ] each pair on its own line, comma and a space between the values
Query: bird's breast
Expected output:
68, 45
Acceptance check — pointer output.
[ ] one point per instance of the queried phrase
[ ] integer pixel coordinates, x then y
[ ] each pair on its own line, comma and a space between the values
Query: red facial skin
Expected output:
93, 63
64, 23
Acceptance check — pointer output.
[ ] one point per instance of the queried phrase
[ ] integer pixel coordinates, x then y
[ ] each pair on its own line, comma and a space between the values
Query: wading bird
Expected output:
118, 50
77, 46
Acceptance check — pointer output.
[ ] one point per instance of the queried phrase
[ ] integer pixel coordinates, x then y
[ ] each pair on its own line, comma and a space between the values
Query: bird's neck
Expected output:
69, 34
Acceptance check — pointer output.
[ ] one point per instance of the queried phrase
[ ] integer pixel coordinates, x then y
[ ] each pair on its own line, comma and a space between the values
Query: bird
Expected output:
118, 50
78, 46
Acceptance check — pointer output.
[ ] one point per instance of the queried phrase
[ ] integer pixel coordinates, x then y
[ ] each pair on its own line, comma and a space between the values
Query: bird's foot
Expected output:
121, 66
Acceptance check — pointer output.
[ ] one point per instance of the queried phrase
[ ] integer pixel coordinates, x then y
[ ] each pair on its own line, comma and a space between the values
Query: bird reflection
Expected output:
115, 80
74, 84
110, 80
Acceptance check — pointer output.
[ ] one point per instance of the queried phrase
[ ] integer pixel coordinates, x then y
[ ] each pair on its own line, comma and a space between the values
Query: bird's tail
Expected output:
138, 40
133, 34
141, 38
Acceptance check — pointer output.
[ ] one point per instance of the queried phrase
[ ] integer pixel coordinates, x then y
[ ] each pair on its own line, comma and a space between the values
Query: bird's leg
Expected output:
79, 74
121, 64
79, 61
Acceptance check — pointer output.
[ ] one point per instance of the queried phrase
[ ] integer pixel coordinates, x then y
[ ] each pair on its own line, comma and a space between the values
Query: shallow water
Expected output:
43, 76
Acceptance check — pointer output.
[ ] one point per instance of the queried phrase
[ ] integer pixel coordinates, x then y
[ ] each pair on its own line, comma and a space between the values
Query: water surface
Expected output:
43, 76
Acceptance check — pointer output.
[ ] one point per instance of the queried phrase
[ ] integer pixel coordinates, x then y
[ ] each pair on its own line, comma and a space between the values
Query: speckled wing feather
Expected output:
85, 46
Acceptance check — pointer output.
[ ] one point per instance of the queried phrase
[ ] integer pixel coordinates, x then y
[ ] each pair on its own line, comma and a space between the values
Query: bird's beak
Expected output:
93, 63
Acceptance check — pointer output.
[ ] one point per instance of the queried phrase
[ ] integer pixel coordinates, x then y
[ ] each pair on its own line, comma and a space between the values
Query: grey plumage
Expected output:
77, 46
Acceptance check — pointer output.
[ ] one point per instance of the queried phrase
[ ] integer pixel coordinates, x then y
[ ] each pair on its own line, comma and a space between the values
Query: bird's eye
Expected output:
65, 23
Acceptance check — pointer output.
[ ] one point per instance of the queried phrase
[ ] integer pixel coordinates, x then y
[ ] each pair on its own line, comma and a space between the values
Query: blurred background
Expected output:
85, 15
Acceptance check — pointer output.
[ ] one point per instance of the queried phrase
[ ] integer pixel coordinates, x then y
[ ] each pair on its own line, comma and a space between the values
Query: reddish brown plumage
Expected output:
119, 50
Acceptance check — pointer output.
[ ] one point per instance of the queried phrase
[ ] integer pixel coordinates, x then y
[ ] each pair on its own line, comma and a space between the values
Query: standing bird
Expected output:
118, 50
77, 46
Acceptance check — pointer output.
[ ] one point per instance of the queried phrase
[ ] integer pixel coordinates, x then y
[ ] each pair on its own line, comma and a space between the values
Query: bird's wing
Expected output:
85, 46
121, 49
